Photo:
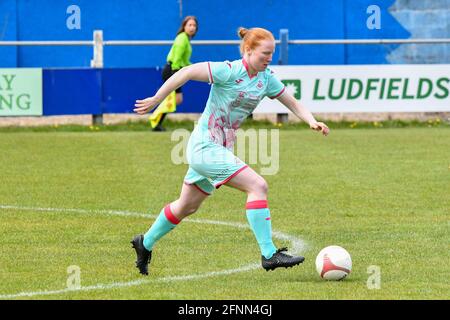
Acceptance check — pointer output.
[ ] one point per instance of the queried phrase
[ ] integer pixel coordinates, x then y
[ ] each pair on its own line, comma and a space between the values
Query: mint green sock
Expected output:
258, 216
165, 222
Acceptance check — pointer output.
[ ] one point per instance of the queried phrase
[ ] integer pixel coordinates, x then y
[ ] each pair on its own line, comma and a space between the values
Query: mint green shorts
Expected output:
211, 165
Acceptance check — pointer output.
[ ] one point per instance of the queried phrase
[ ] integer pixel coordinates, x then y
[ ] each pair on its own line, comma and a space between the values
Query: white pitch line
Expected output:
298, 245
132, 283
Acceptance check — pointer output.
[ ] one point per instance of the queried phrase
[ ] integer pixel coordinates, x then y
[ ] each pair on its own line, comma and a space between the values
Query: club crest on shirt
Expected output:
260, 85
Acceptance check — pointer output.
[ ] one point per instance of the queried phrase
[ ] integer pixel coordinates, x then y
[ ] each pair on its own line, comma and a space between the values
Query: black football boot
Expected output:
280, 259
143, 255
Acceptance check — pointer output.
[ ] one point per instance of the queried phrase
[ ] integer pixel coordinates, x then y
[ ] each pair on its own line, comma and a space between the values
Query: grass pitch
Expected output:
383, 194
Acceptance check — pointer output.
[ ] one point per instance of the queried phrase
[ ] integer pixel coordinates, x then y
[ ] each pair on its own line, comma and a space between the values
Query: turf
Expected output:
383, 194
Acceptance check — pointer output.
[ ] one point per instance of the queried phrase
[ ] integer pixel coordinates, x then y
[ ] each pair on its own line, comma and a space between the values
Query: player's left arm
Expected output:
300, 111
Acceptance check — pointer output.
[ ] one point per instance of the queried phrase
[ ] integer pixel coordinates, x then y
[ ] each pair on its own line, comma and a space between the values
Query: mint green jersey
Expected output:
234, 94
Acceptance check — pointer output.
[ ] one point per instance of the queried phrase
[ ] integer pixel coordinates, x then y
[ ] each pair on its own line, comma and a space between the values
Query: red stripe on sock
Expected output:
258, 204
169, 215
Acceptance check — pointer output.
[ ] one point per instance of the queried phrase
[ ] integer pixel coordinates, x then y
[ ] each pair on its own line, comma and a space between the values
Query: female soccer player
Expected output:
179, 56
237, 88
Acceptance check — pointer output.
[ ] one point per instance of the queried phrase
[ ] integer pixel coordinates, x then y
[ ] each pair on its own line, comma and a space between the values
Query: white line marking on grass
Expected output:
298, 245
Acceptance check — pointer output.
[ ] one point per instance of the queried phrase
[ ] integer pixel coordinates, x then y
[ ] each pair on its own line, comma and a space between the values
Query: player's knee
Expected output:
260, 186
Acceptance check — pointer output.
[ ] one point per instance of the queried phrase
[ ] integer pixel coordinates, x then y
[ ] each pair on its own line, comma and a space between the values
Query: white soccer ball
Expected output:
333, 263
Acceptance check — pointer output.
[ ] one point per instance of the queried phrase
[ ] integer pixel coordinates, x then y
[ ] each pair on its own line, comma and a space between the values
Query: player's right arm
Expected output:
197, 71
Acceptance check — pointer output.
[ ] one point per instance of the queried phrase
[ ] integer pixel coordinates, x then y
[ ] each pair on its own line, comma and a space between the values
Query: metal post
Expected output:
97, 62
282, 117
283, 59
284, 46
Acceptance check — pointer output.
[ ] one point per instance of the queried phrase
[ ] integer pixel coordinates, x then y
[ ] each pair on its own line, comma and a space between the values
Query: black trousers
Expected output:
167, 72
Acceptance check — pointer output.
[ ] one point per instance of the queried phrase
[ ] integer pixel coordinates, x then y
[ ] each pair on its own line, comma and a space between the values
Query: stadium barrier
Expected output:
95, 91
98, 90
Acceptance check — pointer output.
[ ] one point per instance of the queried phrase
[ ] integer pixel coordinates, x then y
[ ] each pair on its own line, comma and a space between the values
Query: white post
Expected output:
97, 62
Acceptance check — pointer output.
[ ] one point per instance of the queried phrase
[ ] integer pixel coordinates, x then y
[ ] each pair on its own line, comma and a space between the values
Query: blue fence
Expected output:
133, 72
159, 20
99, 91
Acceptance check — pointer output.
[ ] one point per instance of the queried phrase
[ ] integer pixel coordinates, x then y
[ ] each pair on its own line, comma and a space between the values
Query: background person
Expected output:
179, 56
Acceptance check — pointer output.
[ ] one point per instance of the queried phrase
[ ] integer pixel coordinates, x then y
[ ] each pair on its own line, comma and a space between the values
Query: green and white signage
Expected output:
21, 92
380, 88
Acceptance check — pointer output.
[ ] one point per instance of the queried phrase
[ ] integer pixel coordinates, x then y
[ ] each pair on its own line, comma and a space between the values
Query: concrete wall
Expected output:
424, 19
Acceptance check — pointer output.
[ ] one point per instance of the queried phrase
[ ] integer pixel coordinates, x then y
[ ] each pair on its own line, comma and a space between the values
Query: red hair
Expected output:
253, 37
